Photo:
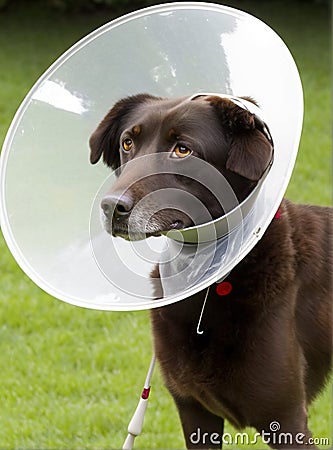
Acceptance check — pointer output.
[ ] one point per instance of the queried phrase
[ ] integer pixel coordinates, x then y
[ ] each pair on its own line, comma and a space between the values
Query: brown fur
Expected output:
266, 348
265, 352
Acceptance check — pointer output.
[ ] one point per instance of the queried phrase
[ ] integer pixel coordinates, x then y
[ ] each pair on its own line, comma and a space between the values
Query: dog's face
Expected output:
171, 134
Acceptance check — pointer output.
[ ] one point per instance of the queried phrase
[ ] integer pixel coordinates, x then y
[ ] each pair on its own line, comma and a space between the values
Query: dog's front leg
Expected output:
201, 428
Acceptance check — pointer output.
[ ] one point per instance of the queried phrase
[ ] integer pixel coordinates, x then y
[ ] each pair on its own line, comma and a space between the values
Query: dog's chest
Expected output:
204, 366
190, 348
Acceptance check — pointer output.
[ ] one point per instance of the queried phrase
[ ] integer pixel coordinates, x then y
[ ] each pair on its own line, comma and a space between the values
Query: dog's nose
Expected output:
117, 205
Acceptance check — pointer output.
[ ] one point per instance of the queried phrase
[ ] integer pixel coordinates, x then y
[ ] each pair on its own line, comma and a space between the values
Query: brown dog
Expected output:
266, 348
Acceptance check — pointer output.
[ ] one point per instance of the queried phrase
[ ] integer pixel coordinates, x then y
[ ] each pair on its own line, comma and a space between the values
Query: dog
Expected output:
266, 350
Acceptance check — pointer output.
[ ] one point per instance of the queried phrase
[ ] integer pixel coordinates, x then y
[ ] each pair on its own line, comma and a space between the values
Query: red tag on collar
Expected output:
278, 214
224, 288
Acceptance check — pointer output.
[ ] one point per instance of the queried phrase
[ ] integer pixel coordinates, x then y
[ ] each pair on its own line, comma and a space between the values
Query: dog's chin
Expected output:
151, 230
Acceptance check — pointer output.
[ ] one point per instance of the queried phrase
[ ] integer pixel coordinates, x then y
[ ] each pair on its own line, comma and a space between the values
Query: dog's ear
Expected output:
105, 139
250, 148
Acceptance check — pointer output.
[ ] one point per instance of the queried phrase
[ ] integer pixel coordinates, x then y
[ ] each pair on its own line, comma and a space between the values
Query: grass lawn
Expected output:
69, 377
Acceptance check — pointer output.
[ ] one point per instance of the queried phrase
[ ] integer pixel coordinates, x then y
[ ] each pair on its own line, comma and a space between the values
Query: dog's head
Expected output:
210, 128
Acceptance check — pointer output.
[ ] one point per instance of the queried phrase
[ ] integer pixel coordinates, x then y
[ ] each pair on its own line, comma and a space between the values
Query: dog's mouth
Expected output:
136, 234
134, 229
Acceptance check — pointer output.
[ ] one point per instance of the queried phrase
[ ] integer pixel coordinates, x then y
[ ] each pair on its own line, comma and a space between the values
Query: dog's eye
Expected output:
180, 151
127, 144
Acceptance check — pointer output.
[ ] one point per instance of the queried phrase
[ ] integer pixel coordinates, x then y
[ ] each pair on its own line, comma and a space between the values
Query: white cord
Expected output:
202, 310
136, 423
150, 371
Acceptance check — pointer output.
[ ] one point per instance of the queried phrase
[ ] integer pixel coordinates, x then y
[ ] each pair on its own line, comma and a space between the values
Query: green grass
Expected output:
69, 377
